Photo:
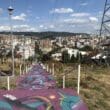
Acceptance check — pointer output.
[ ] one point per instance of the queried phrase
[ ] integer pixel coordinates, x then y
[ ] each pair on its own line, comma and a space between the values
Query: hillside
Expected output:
46, 34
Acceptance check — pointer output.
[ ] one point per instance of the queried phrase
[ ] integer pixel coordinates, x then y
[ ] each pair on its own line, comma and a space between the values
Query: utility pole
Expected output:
10, 10
105, 28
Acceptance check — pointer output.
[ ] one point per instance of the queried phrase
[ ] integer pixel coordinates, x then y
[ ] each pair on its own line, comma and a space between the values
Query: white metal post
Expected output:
8, 83
78, 84
63, 81
20, 70
53, 69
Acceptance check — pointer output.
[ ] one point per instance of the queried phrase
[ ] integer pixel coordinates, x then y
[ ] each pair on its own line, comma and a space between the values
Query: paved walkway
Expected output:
37, 90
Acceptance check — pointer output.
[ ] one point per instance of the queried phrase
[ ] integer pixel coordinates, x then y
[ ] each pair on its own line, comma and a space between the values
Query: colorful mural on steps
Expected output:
41, 100
37, 91
37, 78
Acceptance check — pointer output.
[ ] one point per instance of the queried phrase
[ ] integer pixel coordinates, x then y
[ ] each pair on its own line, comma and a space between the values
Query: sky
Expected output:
52, 15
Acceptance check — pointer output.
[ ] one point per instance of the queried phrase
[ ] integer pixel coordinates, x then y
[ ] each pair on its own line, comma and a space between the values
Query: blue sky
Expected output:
52, 15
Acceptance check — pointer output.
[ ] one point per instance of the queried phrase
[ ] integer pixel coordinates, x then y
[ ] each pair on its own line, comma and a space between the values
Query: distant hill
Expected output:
46, 34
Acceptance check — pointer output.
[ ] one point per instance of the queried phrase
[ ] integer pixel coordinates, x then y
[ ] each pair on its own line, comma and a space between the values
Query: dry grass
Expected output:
95, 85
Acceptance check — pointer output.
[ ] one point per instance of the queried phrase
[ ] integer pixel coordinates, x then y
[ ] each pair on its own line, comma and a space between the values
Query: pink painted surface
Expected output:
37, 91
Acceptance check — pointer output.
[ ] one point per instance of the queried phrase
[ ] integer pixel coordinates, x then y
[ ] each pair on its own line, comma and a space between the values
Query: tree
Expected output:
38, 52
64, 42
9, 54
86, 60
73, 59
31, 59
79, 57
37, 49
86, 48
65, 57
45, 57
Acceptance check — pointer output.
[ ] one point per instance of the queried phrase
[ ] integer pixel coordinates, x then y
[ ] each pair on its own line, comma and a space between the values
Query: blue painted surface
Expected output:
68, 101
35, 104
5, 106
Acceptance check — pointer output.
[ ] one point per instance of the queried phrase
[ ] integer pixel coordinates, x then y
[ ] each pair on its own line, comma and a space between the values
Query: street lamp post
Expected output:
10, 10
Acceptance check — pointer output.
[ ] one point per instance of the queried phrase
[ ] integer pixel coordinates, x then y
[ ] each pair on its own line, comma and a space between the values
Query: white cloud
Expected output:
84, 4
21, 17
41, 26
76, 21
18, 28
108, 13
51, 26
4, 28
96, 27
93, 19
62, 10
46, 26
80, 14
24, 27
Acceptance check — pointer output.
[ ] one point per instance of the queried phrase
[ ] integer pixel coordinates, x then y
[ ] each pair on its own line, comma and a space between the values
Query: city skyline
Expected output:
52, 15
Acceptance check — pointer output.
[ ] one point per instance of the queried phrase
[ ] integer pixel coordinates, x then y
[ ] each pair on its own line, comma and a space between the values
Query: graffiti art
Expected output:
37, 91
41, 100
37, 79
